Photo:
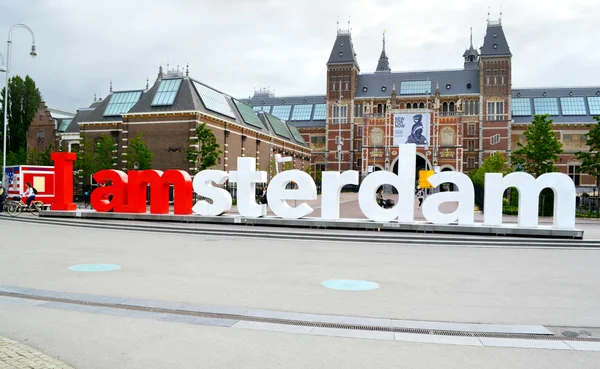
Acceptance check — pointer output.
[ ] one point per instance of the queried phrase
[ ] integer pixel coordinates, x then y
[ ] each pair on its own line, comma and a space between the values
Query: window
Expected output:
248, 114
317, 142
212, 100
445, 107
339, 156
545, 105
495, 139
421, 105
358, 110
166, 92
41, 116
488, 73
121, 102
573, 106
574, 174
302, 112
594, 105
282, 111
495, 77
470, 162
340, 114
320, 112
476, 107
502, 77
471, 145
408, 106
451, 106
415, 87
495, 110
471, 129
521, 107
319, 167
40, 136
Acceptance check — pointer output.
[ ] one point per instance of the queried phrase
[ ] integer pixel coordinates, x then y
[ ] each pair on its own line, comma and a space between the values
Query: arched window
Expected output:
451, 106
476, 107
379, 109
408, 106
422, 105
445, 107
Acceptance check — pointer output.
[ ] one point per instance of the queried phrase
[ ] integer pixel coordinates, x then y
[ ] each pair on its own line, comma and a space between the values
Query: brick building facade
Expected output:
474, 111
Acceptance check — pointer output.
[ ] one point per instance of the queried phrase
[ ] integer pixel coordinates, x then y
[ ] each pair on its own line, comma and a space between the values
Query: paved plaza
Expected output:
516, 289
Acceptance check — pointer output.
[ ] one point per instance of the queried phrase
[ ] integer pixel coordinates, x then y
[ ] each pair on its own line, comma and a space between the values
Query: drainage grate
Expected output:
302, 322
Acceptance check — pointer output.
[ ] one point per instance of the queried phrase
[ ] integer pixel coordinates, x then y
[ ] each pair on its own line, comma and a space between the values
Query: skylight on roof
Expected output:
214, 100
320, 112
573, 106
166, 92
279, 126
121, 102
296, 134
415, 87
248, 114
594, 105
282, 111
302, 112
521, 107
545, 105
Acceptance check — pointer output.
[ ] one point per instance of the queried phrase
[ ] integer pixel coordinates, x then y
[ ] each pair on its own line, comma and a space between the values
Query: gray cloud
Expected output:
238, 45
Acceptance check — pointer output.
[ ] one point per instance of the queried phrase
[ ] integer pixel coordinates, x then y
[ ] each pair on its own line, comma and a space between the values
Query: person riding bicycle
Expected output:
3, 194
29, 193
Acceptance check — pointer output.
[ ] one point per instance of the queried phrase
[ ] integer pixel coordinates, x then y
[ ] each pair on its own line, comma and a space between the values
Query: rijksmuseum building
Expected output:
473, 112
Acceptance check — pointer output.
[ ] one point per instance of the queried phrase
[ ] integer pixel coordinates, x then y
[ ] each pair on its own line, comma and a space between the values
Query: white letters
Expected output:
330, 193
247, 177
465, 197
221, 198
529, 192
277, 194
404, 183
495, 184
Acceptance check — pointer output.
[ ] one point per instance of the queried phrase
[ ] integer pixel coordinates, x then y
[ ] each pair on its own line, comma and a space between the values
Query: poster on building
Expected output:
411, 128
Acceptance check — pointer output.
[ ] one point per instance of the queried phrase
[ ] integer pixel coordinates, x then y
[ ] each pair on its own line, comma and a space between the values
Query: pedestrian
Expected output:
3, 194
420, 196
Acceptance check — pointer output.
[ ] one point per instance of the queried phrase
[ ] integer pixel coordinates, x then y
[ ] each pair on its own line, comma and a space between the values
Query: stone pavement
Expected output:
19, 356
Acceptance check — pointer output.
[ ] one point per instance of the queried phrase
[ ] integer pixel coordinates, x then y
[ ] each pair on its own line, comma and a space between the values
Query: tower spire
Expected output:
110, 89
471, 36
383, 65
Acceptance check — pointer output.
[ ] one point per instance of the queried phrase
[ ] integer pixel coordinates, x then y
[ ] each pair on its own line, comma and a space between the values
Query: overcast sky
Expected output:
238, 45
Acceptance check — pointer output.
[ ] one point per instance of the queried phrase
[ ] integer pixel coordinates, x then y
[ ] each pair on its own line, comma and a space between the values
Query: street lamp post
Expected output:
7, 70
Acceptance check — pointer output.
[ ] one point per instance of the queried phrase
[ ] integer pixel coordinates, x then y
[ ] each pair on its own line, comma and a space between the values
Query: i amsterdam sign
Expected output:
129, 193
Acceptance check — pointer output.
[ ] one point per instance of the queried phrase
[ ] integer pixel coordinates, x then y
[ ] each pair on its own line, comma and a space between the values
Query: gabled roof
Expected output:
380, 85
186, 98
343, 50
494, 43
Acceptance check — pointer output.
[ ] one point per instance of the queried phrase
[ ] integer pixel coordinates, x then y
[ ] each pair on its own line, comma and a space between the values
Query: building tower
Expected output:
471, 56
383, 65
495, 88
342, 75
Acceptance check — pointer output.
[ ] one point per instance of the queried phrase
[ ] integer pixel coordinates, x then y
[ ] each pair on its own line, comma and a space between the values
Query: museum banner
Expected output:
411, 128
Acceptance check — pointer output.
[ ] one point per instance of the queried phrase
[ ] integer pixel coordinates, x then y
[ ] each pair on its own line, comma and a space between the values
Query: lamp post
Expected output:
6, 71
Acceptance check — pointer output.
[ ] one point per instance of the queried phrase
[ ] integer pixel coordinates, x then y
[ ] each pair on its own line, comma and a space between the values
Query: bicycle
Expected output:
14, 207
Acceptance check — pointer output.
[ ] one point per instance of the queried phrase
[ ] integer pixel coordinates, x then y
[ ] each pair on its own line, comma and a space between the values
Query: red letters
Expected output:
63, 180
100, 199
159, 191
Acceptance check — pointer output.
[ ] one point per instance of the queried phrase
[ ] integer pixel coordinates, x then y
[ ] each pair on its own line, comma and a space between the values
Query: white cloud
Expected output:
238, 45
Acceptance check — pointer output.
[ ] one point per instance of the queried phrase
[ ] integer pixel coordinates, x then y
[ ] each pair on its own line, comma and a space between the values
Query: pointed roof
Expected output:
383, 65
471, 51
343, 50
494, 43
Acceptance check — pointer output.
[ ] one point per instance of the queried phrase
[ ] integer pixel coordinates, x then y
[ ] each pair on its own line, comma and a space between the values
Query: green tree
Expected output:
288, 165
85, 164
541, 148
495, 163
105, 156
23, 100
138, 154
208, 149
35, 157
590, 160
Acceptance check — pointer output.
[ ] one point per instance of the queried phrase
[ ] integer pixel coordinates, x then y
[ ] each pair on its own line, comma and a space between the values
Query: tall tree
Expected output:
84, 164
35, 157
23, 101
105, 156
541, 148
208, 149
495, 163
590, 160
138, 155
